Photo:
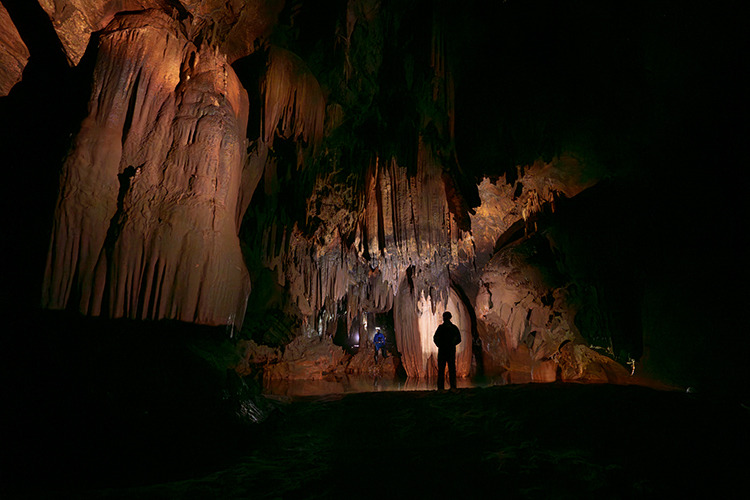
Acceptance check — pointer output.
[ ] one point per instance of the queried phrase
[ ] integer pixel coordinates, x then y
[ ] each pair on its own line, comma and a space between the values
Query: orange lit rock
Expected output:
543, 370
145, 225
308, 358
294, 103
363, 363
75, 20
403, 222
312, 358
519, 312
414, 332
234, 25
13, 53
517, 309
582, 364
509, 209
254, 354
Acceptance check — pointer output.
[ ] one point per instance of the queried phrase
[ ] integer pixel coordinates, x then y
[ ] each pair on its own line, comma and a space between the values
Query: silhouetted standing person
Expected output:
446, 338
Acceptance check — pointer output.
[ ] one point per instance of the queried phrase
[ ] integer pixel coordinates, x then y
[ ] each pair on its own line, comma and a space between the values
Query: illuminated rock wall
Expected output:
154, 190
233, 25
145, 225
396, 224
404, 227
13, 53
414, 332
523, 304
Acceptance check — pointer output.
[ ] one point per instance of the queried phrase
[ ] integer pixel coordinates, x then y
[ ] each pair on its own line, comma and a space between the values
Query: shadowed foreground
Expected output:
517, 441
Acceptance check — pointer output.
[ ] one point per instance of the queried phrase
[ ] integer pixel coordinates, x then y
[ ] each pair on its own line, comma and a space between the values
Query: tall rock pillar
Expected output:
145, 223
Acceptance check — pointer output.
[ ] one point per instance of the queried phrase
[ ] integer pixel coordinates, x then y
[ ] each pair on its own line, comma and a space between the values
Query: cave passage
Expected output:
210, 206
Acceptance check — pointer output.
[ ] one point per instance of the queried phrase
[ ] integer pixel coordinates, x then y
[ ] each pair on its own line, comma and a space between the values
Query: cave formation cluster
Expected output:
291, 171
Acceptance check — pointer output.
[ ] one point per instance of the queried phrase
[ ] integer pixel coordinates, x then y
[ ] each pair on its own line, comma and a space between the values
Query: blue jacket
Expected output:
379, 340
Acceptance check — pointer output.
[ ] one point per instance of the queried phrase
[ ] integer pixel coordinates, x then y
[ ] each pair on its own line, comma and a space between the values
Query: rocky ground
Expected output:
513, 441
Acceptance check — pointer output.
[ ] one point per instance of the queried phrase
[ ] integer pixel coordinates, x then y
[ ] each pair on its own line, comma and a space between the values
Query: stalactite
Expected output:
410, 230
404, 223
294, 104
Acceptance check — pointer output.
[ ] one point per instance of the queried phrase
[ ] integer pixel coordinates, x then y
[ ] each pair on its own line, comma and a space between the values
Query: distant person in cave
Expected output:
446, 338
379, 341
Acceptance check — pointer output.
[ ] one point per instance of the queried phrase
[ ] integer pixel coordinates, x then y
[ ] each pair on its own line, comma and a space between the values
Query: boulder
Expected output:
308, 358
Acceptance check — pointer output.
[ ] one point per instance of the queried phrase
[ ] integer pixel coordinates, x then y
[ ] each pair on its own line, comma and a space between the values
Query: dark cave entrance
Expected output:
344, 336
383, 321
356, 333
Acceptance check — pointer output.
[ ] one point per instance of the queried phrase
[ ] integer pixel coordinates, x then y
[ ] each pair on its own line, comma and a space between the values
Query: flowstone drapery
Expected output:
145, 225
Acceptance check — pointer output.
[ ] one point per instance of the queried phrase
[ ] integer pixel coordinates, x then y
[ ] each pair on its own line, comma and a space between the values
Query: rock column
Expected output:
145, 224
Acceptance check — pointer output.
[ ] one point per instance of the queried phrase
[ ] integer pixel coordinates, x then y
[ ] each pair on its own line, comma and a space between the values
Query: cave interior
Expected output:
211, 205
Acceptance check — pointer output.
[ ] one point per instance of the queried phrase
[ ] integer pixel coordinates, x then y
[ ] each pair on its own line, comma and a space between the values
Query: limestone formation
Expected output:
13, 53
407, 250
305, 358
235, 26
362, 211
75, 20
145, 225
405, 244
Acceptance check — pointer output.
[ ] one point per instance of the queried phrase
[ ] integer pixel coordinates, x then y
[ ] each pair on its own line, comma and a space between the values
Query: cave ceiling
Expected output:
225, 162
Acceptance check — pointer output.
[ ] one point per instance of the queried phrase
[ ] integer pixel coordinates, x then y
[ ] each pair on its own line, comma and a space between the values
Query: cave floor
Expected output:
512, 441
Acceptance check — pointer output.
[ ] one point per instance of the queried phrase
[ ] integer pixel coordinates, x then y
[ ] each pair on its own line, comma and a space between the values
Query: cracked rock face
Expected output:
145, 222
235, 25
13, 53
75, 20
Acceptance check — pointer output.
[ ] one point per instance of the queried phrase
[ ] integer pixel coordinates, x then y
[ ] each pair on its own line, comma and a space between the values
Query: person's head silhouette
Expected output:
447, 316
